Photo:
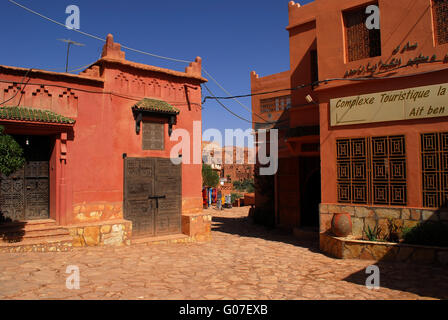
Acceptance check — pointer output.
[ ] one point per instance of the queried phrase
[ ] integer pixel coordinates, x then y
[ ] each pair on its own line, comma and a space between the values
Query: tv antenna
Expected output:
69, 43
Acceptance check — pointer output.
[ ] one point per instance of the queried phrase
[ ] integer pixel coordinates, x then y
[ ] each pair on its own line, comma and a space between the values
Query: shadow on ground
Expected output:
425, 281
11, 231
245, 227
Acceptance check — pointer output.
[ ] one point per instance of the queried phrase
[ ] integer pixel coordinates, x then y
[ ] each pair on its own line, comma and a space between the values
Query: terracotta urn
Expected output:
341, 225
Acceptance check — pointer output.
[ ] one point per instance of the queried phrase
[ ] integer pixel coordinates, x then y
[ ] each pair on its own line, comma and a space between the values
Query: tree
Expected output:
210, 178
11, 154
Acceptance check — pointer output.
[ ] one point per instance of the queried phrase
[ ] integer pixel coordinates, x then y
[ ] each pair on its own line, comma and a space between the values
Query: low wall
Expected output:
345, 248
105, 233
372, 216
197, 225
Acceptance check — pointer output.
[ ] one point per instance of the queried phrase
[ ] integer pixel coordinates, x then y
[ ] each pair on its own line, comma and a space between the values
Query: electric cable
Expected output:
19, 89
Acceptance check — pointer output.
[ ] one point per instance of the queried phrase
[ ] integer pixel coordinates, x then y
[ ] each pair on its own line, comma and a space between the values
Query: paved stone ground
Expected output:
243, 261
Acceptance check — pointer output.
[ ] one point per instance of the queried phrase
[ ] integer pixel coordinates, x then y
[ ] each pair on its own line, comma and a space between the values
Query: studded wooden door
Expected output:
152, 196
24, 194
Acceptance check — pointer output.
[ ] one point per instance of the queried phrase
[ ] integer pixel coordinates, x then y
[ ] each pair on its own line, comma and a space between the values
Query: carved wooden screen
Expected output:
440, 13
153, 136
434, 147
361, 42
372, 170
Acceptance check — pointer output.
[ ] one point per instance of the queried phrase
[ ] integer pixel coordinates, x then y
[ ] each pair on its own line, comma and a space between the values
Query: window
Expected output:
153, 136
361, 43
440, 13
372, 170
434, 147
275, 104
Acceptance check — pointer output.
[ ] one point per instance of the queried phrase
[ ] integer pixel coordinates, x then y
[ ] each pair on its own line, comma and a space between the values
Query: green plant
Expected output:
11, 154
394, 231
373, 235
429, 233
235, 196
210, 178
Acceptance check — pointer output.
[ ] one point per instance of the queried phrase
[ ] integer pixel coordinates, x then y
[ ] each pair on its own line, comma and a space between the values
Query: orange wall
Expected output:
105, 129
402, 21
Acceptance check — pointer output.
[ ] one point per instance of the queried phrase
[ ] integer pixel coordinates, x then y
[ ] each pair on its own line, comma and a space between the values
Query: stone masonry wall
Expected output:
108, 233
364, 216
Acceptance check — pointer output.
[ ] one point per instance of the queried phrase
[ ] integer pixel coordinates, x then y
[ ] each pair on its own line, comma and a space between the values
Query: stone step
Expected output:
173, 238
42, 234
55, 243
28, 225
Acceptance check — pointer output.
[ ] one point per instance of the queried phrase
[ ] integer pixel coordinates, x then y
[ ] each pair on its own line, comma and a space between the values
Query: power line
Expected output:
93, 36
19, 89
311, 84
135, 98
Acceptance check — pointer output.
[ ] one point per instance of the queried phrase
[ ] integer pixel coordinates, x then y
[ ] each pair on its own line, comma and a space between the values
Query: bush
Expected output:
235, 196
427, 233
11, 154
210, 178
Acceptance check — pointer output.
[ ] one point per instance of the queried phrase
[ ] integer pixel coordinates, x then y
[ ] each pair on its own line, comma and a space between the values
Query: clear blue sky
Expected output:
233, 37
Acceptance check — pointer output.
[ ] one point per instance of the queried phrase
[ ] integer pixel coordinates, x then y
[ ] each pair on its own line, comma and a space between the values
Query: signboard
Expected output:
406, 104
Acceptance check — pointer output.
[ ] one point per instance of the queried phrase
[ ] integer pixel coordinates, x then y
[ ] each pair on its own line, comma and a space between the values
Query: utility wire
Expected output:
313, 84
93, 36
19, 89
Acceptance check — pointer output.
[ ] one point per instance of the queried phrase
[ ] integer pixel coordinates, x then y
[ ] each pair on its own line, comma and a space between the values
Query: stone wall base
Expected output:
105, 233
59, 246
364, 217
197, 226
345, 248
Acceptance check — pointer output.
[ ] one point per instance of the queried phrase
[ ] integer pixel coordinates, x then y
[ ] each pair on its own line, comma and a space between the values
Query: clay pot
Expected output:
341, 225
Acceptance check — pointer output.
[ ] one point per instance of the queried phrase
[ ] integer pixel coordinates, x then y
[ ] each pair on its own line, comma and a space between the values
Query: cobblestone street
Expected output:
243, 261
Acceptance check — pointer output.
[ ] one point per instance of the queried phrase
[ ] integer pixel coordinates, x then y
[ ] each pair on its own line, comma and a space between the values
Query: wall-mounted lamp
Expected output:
309, 99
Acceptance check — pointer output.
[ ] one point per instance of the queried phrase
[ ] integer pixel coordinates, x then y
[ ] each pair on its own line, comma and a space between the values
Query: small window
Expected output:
153, 136
361, 43
440, 13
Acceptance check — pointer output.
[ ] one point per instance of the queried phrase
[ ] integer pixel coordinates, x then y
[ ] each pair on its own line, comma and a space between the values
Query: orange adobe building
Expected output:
378, 98
98, 148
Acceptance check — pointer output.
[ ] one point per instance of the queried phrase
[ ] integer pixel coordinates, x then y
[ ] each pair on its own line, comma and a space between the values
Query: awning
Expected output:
155, 106
24, 114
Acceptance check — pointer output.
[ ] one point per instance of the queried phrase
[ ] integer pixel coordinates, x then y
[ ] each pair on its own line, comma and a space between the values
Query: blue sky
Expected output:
233, 37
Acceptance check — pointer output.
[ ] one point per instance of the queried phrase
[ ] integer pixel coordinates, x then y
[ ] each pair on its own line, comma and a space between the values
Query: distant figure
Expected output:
219, 200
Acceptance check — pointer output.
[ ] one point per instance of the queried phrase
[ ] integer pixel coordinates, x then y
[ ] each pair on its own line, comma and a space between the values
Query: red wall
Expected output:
105, 130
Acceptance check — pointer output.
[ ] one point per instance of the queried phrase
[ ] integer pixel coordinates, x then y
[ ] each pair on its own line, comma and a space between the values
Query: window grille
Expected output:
440, 13
362, 43
372, 170
434, 147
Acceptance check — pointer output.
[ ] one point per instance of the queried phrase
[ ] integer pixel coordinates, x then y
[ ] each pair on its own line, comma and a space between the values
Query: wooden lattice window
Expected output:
361, 43
440, 13
372, 170
153, 136
434, 147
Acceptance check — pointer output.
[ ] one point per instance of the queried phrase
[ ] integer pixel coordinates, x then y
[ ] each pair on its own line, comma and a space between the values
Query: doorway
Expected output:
24, 195
310, 194
152, 196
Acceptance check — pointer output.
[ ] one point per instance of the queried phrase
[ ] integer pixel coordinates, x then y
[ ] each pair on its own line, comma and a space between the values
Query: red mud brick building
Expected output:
97, 147
381, 110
